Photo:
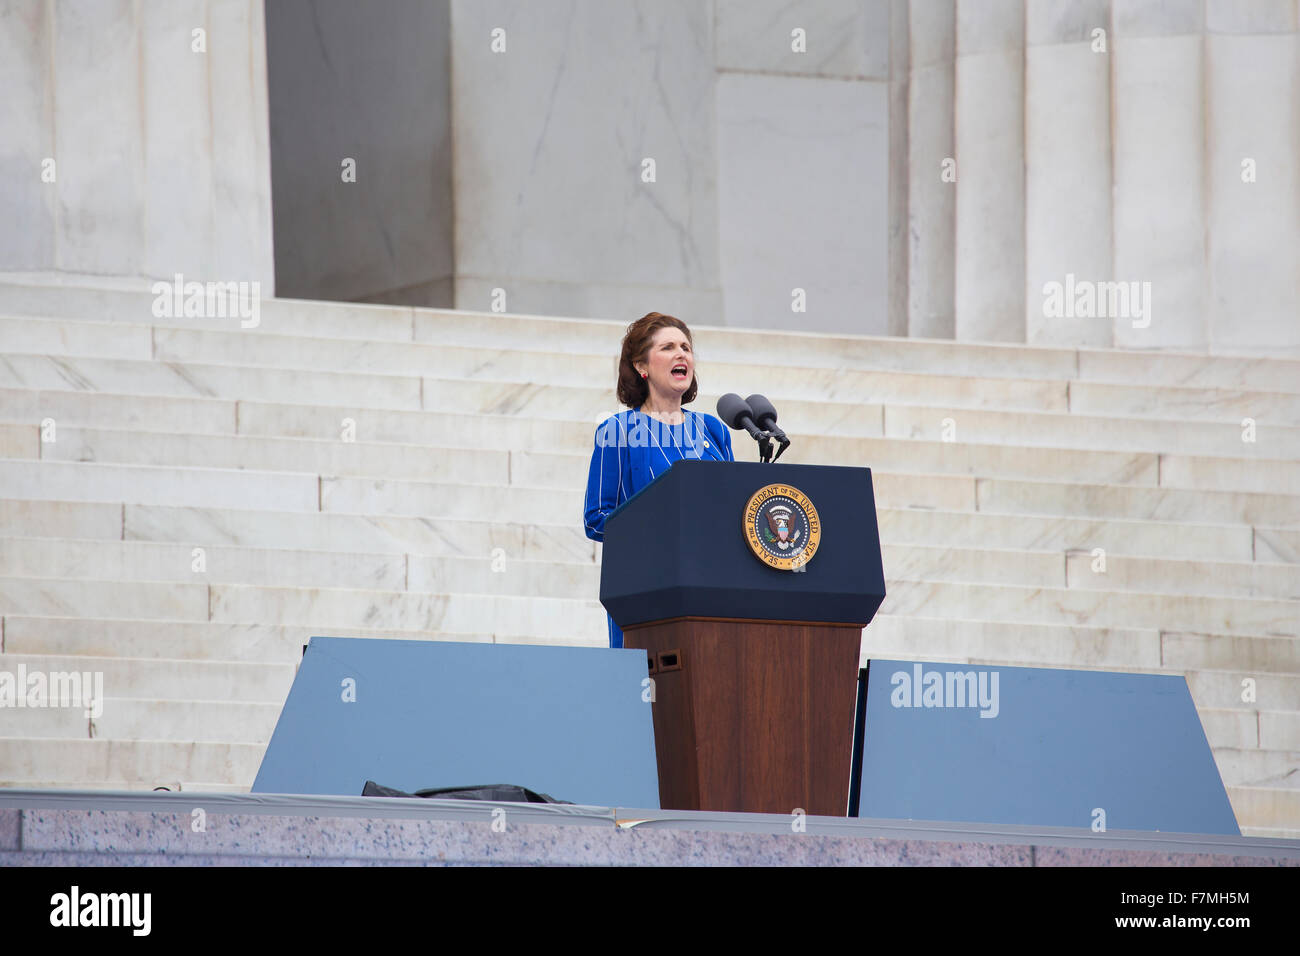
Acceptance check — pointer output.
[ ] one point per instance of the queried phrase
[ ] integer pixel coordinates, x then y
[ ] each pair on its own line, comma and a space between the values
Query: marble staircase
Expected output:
411, 473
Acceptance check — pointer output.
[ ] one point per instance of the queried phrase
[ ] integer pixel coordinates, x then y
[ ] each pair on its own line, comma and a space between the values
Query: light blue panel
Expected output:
567, 721
1061, 744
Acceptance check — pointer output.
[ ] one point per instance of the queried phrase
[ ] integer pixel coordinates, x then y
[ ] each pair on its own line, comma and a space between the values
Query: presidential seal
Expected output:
782, 527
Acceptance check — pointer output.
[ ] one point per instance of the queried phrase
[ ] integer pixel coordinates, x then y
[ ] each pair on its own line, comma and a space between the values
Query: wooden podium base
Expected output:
752, 716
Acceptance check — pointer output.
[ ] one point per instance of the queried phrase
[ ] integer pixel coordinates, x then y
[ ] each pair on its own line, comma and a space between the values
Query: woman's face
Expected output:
669, 350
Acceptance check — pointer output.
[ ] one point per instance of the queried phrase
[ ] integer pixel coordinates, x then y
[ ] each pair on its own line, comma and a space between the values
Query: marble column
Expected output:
931, 201
1253, 115
1067, 163
1160, 177
989, 122
154, 116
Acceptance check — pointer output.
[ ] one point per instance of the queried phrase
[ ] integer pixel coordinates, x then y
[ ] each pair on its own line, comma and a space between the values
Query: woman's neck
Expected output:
666, 410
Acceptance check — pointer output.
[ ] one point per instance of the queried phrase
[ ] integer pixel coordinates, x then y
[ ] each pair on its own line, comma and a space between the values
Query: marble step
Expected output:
60, 519
1031, 463
789, 379
1266, 812
334, 391
20, 441
1225, 689
167, 679
142, 484
577, 437
888, 636
1153, 575
1277, 544
295, 530
76, 338
132, 303
814, 420
556, 470
1008, 496
251, 453
99, 786
92, 409
68, 597
144, 561
1167, 401
1045, 532
1273, 440
393, 448
498, 572
488, 573
1123, 367
1245, 655
140, 763
829, 377
1259, 768
892, 636
540, 399
126, 718
1280, 730
199, 380
571, 621
1172, 612
517, 383
190, 640
423, 535
52, 296
185, 346
576, 619
1232, 729
524, 505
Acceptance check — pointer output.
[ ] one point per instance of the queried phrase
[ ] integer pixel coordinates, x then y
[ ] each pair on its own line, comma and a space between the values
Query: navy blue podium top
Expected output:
630, 449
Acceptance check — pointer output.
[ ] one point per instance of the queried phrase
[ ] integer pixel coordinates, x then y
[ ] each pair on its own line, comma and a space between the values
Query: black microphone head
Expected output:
763, 411
732, 408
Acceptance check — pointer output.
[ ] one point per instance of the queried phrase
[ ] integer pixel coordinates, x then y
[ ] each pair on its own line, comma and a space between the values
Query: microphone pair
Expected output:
757, 416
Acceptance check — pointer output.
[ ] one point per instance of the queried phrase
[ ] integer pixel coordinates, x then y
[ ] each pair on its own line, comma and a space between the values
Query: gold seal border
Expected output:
750, 514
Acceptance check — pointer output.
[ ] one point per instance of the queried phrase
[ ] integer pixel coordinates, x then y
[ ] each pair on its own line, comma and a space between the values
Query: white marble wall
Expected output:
161, 155
813, 218
549, 140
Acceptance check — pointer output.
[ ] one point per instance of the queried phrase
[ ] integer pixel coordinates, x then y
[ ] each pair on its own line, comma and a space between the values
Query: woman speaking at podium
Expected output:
656, 377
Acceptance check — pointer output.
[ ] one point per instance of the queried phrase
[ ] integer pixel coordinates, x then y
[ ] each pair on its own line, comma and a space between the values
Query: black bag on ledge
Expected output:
495, 792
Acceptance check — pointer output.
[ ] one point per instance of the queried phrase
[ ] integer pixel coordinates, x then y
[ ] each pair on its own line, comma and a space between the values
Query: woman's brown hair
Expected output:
633, 390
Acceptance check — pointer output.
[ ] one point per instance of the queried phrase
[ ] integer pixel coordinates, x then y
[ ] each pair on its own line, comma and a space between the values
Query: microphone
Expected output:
736, 413
765, 414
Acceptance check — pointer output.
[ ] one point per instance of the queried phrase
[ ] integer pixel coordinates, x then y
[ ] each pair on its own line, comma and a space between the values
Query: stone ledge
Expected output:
258, 829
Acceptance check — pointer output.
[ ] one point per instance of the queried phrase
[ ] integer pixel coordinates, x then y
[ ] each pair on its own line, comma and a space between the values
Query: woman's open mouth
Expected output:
679, 372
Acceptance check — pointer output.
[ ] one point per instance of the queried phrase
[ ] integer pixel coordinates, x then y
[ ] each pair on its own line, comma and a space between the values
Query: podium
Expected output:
748, 585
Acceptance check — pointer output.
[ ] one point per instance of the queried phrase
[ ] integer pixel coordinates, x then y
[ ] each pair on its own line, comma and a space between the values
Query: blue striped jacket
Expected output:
630, 449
